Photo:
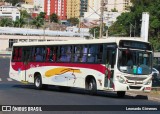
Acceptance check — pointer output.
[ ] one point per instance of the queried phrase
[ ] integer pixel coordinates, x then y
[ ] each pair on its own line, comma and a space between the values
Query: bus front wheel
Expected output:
121, 94
38, 82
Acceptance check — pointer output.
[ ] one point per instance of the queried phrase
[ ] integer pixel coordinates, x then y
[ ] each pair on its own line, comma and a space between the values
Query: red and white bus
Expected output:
114, 64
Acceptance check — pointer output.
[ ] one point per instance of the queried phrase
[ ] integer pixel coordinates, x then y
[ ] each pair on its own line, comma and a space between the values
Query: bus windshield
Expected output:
136, 62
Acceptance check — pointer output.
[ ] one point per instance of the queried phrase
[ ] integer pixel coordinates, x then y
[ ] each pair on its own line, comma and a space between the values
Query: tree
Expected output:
95, 31
73, 21
122, 25
38, 22
24, 14
54, 18
114, 10
19, 22
5, 22
42, 15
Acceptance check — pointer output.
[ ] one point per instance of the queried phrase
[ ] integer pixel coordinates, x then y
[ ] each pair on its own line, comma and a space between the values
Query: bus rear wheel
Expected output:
92, 87
38, 82
121, 94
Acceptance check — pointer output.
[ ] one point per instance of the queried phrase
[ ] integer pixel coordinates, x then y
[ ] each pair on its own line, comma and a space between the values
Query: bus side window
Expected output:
92, 53
84, 57
15, 54
69, 53
63, 55
20, 54
54, 54
77, 50
48, 54
39, 54
99, 53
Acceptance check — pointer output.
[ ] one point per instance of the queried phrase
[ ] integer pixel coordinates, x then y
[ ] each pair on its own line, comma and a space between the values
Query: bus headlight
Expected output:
121, 80
148, 82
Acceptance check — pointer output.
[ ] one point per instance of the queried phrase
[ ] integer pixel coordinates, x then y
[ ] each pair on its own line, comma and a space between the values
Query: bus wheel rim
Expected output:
90, 86
37, 82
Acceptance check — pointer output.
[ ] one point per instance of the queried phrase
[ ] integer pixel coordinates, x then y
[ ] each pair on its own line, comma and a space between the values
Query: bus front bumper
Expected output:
131, 87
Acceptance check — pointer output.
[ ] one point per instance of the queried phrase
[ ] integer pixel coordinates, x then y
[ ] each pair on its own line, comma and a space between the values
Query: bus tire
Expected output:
92, 86
38, 82
121, 94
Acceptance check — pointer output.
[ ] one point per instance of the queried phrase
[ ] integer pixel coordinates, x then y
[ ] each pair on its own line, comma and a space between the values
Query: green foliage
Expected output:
73, 21
38, 22
95, 31
155, 43
133, 18
19, 22
4, 22
54, 18
114, 10
42, 15
24, 14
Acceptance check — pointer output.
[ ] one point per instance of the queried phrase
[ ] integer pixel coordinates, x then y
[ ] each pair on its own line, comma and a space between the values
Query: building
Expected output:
60, 8
9, 12
39, 5
118, 5
2, 3
83, 7
94, 6
29, 2
114, 9
52, 6
73, 9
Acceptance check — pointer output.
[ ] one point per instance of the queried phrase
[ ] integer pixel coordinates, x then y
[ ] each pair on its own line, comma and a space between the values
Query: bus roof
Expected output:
92, 41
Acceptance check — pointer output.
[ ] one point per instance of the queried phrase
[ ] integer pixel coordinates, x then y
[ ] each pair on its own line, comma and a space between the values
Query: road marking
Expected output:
9, 79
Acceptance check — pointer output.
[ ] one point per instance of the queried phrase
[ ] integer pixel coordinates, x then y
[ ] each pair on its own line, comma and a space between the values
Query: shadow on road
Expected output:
80, 92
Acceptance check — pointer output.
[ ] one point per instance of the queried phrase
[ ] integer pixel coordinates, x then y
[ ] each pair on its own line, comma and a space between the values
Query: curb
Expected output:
149, 97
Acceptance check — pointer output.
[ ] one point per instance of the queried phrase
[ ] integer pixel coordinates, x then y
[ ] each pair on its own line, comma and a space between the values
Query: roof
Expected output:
92, 41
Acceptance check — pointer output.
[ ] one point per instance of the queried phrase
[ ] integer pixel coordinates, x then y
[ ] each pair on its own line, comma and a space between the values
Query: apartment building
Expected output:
9, 12
29, 2
119, 5
56, 6
83, 7
94, 5
73, 9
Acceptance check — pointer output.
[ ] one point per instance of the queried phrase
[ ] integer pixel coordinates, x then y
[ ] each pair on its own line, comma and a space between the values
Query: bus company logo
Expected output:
6, 108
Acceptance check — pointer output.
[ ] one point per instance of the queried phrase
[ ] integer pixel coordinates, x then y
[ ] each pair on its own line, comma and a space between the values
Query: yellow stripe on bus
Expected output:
59, 71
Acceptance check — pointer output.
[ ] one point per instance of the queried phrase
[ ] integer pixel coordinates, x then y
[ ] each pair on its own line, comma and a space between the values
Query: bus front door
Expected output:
110, 62
26, 53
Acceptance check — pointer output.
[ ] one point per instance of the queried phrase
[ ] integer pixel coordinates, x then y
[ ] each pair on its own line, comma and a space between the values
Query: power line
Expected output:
92, 14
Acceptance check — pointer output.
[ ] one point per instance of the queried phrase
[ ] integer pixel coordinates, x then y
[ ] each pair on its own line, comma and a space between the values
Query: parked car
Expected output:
155, 73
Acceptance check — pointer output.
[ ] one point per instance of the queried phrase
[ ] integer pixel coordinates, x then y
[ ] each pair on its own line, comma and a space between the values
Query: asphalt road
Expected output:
15, 93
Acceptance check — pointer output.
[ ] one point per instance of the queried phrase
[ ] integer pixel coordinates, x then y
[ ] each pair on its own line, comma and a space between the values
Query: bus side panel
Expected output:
18, 73
67, 75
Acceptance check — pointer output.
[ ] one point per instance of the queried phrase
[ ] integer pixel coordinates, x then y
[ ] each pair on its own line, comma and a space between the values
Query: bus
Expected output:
112, 64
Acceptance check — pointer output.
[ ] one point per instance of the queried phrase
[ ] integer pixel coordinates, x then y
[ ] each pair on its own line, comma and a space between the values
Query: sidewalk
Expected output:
154, 95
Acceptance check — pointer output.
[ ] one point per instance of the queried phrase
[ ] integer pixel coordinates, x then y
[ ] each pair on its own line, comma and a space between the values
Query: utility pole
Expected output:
102, 9
101, 19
